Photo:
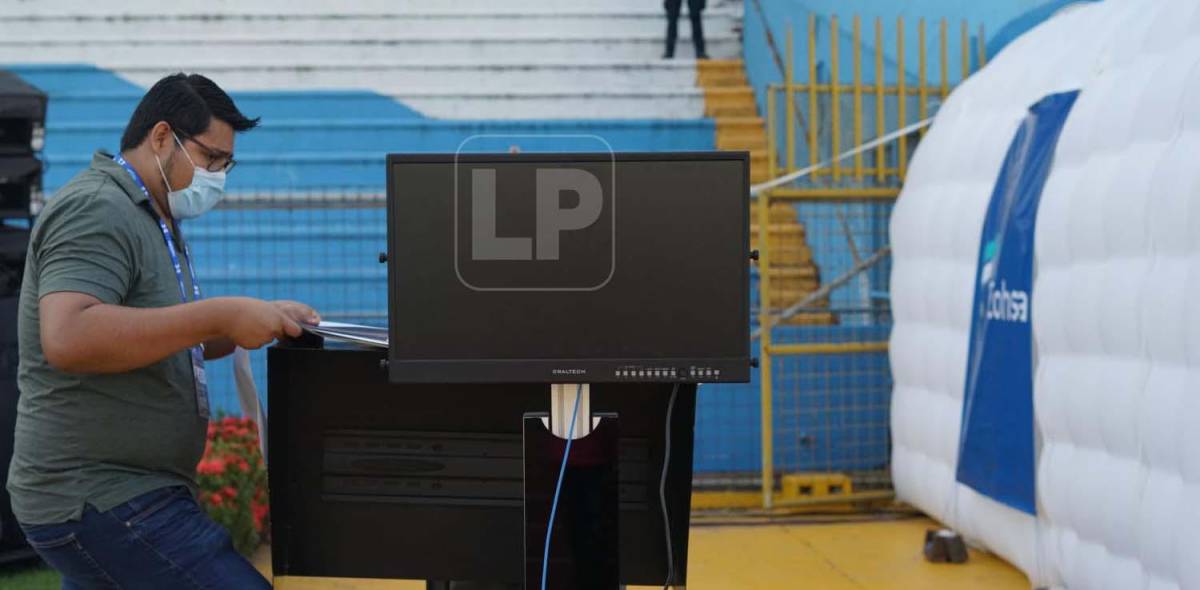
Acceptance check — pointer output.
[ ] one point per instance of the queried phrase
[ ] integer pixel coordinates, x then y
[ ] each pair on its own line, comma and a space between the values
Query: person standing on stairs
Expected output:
695, 7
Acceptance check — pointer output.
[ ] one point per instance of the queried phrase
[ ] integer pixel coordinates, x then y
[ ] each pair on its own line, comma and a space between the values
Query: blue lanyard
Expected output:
197, 352
166, 232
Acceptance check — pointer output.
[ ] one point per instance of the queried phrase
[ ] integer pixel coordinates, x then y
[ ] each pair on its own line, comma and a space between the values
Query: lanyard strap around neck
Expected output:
166, 232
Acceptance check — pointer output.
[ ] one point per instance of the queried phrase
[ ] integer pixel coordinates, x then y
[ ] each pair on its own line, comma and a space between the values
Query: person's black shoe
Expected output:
668, 56
702, 56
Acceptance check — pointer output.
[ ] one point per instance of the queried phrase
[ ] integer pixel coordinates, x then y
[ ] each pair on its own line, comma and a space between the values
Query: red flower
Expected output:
260, 512
215, 499
211, 467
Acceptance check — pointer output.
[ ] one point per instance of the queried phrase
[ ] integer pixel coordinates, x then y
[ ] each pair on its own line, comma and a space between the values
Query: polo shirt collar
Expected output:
103, 161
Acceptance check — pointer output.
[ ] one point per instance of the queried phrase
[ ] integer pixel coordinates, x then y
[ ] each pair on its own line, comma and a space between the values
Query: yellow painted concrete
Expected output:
861, 555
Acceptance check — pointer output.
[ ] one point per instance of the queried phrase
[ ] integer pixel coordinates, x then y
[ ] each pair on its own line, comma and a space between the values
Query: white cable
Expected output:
662, 490
786, 178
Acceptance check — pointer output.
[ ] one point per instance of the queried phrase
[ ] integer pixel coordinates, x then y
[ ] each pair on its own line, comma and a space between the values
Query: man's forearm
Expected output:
105, 338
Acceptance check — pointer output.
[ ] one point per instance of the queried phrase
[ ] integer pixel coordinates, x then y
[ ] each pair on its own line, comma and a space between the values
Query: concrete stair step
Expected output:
783, 241
392, 76
810, 319
781, 214
801, 273
785, 257
711, 81
732, 94
324, 136
783, 297
251, 50
449, 103
352, 26
229, 8
718, 72
741, 142
557, 103
740, 125
792, 289
735, 109
726, 65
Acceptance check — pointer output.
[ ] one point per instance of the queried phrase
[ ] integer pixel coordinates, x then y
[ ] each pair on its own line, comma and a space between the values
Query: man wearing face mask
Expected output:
113, 335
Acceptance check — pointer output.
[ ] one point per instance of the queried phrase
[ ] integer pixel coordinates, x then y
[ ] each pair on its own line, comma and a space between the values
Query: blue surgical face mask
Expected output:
206, 190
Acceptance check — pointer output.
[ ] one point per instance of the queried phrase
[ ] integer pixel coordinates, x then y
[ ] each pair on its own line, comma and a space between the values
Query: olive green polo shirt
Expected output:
92, 439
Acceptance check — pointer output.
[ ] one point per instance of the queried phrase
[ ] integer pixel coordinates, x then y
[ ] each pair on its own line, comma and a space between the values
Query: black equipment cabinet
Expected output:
13, 243
22, 134
372, 479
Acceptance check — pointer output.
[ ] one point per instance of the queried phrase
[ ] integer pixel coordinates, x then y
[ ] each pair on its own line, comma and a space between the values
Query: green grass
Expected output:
26, 577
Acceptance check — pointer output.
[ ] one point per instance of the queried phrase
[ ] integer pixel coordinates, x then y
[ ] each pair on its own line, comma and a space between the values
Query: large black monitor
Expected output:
556, 268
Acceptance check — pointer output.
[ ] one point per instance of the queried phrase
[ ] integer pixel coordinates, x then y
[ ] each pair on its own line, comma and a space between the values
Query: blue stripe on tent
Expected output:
996, 448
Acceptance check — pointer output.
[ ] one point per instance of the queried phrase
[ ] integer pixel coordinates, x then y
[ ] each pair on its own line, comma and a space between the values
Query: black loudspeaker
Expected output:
13, 243
22, 136
22, 116
20, 185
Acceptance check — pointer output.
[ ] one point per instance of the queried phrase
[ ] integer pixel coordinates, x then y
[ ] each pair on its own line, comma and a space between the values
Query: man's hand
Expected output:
81, 334
300, 313
254, 322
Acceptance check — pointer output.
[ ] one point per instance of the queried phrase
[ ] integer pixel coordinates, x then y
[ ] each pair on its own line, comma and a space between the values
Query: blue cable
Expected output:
558, 486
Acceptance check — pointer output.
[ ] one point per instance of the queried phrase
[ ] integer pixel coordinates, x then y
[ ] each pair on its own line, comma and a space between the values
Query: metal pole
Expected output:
814, 118
789, 97
945, 61
982, 48
966, 52
922, 79
764, 367
835, 106
772, 132
902, 96
880, 160
858, 120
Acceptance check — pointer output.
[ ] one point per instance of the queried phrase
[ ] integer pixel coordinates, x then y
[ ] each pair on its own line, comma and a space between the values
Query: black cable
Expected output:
662, 491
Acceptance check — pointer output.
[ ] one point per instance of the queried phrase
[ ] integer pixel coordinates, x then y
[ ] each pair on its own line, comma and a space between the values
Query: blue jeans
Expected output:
162, 539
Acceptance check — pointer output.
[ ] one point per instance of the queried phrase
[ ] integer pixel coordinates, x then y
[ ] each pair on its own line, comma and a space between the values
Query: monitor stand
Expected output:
581, 511
427, 481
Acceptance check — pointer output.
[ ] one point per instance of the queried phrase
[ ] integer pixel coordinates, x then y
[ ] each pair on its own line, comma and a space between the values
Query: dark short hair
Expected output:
188, 103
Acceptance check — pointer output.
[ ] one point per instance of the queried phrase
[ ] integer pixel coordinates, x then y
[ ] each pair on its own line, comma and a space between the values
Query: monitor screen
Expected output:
566, 268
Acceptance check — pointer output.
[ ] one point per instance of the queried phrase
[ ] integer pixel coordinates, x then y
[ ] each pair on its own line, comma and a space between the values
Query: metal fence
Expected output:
318, 246
825, 383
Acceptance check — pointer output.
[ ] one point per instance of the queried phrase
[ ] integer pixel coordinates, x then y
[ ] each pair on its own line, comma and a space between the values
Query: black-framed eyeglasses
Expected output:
218, 160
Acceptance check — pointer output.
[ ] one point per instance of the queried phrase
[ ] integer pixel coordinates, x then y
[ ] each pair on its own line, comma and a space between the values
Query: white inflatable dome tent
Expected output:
1113, 314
